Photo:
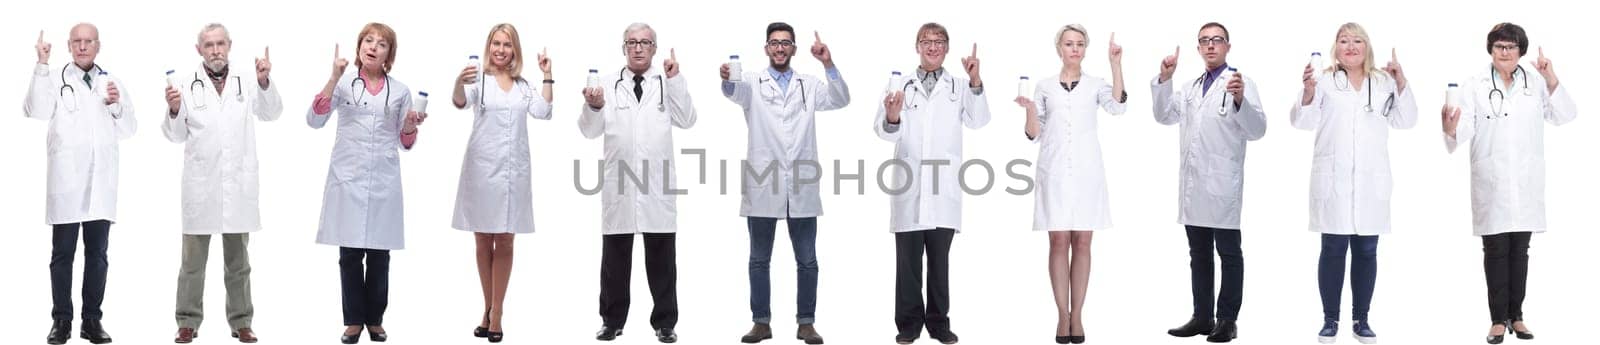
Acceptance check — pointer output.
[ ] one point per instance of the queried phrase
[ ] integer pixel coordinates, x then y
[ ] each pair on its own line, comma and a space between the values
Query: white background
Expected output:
1430, 287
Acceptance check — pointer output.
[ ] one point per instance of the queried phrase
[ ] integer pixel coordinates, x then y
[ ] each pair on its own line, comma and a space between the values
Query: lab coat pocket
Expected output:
1223, 179
1322, 178
755, 175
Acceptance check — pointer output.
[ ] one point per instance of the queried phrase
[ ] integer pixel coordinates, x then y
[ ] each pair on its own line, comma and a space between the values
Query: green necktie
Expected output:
87, 80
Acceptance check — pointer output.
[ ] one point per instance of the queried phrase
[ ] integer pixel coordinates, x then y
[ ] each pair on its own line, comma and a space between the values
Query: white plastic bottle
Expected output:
735, 71
1024, 87
472, 60
594, 79
420, 103
1452, 96
895, 81
1316, 62
102, 82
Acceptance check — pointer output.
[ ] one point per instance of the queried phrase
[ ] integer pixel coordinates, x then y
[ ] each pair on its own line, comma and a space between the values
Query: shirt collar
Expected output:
1217, 72
783, 76
924, 75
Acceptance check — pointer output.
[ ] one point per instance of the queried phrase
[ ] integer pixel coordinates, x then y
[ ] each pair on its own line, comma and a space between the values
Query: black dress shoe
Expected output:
903, 339
60, 331
665, 335
608, 333
1225, 331
1195, 326
94, 332
350, 338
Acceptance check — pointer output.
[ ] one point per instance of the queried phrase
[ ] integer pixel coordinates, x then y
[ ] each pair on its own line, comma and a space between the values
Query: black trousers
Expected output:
661, 268
1505, 268
910, 313
365, 292
1202, 240
64, 245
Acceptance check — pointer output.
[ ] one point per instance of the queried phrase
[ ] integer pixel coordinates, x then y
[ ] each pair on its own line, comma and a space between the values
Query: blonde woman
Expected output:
1351, 106
1072, 201
494, 197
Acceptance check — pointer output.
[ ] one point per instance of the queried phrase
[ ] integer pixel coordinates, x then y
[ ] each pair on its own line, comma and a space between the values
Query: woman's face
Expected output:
1506, 54
502, 51
374, 51
1072, 46
1352, 51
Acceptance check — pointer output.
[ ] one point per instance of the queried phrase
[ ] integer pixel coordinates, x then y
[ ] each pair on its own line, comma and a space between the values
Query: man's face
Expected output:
84, 43
1213, 46
214, 47
780, 49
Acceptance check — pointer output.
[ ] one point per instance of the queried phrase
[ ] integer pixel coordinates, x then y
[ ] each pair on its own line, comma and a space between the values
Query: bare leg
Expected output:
1060, 243
485, 255
1080, 277
503, 247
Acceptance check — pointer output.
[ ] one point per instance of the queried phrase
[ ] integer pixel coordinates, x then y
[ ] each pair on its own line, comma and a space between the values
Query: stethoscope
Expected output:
527, 93
71, 102
1388, 104
1200, 82
362, 90
910, 88
1497, 98
803, 103
661, 103
197, 102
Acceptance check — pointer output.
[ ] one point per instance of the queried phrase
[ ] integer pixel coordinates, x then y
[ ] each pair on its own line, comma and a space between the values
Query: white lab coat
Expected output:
930, 131
639, 134
362, 203
221, 184
783, 135
495, 194
1072, 192
1350, 179
81, 148
1211, 147
1508, 151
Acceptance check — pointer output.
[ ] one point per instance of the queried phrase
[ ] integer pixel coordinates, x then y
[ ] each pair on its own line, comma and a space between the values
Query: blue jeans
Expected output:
1363, 273
803, 235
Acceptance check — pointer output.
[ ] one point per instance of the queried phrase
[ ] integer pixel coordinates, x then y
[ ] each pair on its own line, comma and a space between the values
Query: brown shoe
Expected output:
185, 335
757, 333
245, 335
809, 334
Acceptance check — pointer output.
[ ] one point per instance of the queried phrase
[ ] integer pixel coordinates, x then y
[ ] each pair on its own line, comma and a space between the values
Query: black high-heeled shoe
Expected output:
1497, 339
1075, 339
495, 337
482, 332
350, 338
1063, 339
377, 336
1513, 331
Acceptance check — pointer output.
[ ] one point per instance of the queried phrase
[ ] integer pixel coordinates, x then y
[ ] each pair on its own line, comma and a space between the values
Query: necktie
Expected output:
87, 80
638, 88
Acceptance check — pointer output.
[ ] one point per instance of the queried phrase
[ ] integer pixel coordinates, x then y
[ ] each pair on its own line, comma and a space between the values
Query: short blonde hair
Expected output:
1078, 28
515, 70
388, 35
1354, 29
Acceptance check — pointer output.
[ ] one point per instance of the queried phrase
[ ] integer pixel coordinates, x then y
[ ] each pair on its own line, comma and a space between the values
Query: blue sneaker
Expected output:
1330, 329
1363, 332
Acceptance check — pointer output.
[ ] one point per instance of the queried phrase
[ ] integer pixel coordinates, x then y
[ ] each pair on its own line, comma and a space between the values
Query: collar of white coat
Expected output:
75, 73
1487, 75
626, 74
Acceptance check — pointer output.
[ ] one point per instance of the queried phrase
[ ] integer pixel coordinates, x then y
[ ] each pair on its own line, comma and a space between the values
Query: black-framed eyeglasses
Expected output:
1213, 40
1506, 47
638, 43
933, 43
780, 43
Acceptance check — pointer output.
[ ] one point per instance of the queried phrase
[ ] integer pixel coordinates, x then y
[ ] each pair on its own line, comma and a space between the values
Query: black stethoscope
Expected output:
1200, 82
911, 83
1497, 98
661, 85
1388, 104
803, 104
72, 102
527, 93
198, 103
362, 90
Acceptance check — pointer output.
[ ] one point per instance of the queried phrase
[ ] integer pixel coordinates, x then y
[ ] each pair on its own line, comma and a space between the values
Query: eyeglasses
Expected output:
933, 43
780, 43
1506, 47
638, 43
1213, 40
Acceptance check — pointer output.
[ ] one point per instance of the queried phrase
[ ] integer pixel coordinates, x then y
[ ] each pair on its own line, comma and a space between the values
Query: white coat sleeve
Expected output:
1307, 116
1248, 115
42, 94
1165, 102
836, 95
1467, 125
1559, 109
1041, 111
592, 122
122, 112
974, 105
538, 108
176, 127
1113, 104
680, 107
740, 92
1404, 114
472, 93
268, 105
